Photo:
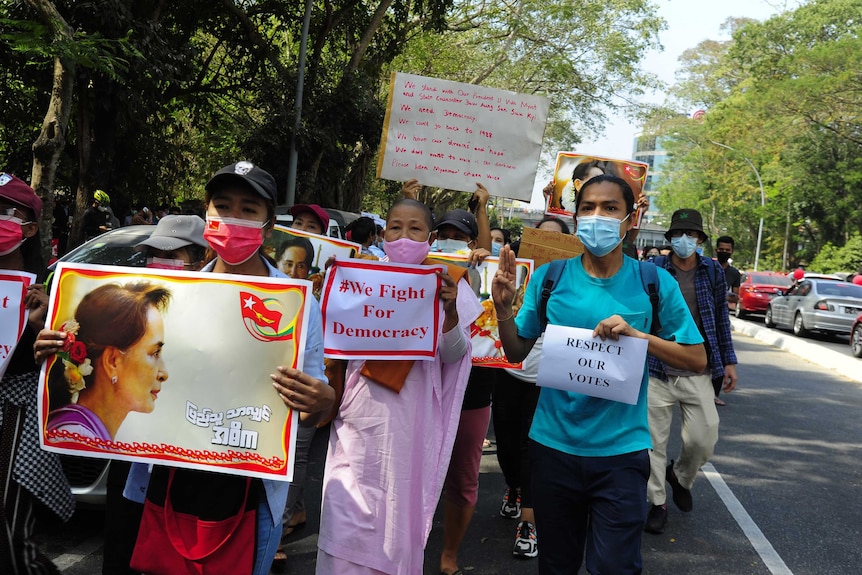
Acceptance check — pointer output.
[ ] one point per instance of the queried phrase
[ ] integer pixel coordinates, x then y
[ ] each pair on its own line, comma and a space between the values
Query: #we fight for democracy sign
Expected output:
574, 360
452, 135
380, 310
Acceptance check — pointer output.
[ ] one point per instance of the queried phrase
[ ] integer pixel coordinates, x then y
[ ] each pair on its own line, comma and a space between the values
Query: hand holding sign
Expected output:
449, 297
615, 326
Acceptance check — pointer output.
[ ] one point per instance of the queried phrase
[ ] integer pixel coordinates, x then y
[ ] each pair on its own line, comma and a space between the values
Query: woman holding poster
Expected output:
27, 473
589, 455
391, 441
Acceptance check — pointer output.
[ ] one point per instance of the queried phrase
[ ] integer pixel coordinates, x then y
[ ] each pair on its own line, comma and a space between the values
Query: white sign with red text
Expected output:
574, 360
453, 135
13, 315
380, 310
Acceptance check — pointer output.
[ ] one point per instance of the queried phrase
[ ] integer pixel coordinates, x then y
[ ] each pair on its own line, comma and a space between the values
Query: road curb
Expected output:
844, 364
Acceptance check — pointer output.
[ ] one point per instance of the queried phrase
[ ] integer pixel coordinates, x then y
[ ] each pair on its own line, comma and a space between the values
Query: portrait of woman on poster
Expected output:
588, 167
111, 361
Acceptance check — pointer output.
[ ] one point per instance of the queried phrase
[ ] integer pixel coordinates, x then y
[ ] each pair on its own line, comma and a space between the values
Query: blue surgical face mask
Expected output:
683, 246
599, 234
450, 247
495, 248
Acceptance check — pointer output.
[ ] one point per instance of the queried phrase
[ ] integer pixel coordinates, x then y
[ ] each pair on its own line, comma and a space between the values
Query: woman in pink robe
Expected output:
389, 451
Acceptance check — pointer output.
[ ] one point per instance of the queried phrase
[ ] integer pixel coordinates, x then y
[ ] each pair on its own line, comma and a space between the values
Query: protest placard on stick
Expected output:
452, 135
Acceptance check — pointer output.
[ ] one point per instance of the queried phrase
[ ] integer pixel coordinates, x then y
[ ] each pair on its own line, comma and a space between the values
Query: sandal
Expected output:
719, 402
279, 562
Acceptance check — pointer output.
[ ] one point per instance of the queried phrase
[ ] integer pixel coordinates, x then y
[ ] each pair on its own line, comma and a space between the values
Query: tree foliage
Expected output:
783, 94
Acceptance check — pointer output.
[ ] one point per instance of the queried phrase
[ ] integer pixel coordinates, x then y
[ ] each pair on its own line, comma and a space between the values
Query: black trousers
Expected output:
512, 407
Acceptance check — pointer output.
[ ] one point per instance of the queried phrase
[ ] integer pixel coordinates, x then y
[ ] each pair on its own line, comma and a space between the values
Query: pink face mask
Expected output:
406, 251
234, 240
165, 264
11, 234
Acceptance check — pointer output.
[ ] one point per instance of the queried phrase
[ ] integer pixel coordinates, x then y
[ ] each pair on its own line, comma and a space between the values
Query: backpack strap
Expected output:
555, 269
649, 278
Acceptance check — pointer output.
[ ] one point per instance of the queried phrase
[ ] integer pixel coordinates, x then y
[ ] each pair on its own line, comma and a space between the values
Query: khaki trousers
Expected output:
695, 397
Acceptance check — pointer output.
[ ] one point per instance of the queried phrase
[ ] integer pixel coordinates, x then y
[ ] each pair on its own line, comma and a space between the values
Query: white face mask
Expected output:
450, 246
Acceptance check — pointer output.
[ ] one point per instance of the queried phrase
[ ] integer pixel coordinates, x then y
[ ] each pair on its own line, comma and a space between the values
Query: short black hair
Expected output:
507, 235
564, 227
724, 240
628, 194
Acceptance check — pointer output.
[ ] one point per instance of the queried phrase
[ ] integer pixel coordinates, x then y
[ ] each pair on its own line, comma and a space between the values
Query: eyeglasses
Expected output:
690, 233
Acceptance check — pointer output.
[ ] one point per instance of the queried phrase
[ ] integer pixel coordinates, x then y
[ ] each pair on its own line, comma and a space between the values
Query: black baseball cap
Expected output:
247, 175
462, 220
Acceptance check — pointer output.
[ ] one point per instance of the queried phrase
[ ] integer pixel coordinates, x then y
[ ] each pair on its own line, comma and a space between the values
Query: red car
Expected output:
856, 337
757, 290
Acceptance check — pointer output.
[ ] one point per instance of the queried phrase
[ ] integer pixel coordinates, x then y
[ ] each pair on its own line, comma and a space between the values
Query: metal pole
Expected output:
297, 106
762, 202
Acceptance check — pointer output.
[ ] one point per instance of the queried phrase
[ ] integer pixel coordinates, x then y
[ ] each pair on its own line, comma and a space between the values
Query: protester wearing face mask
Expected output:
177, 243
590, 456
723, 253
704, 287
96, 219
34, 475
390, 442
499, 238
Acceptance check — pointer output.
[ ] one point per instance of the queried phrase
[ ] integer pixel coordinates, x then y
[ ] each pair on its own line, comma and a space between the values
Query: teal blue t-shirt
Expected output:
587, 426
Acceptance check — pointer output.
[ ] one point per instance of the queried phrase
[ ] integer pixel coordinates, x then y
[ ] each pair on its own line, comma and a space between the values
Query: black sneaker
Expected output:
526, 544
511, 508
656, 519
681, 495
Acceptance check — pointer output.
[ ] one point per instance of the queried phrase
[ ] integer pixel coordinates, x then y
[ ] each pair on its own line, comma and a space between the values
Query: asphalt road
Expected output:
780, 496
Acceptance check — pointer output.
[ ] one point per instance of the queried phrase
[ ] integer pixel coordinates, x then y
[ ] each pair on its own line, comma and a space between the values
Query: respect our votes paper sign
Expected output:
574, 360
380, 310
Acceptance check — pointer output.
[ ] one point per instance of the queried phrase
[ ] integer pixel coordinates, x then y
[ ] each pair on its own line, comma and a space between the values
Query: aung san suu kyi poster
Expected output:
173, 367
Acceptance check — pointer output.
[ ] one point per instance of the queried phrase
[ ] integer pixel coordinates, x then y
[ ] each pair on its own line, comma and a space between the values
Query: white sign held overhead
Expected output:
452, 135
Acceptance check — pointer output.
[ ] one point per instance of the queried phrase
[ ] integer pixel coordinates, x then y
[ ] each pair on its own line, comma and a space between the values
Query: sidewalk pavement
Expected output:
841, 362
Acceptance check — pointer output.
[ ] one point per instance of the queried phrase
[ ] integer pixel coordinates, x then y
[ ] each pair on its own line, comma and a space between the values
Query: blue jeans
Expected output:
592, 504
268, 537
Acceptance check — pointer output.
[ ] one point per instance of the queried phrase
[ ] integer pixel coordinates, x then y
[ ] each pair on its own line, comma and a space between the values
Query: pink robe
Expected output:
388, 456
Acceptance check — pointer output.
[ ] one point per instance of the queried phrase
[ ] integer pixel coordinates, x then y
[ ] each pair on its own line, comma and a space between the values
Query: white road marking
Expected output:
758, 540
84, 550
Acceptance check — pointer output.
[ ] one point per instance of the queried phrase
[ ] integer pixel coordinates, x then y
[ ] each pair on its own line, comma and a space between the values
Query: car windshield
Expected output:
770, 280
840, 289
116, 249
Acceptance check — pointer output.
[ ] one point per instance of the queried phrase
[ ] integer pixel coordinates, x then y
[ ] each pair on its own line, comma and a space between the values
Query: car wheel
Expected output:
739, 312
767, 321
856, 341
799, 326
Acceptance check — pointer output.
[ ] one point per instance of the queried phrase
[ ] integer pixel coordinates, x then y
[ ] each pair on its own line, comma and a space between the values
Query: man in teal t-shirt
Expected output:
590, 456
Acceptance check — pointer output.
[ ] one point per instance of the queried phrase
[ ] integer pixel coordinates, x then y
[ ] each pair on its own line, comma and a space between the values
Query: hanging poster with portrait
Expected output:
173, 367
484, 333
572, 171
303, 255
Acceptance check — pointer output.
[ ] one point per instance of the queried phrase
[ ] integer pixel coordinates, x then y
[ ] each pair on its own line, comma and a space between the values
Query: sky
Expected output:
688, 23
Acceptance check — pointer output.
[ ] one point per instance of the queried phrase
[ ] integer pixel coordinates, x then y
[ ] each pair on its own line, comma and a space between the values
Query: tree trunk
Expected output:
82, 194
52, 138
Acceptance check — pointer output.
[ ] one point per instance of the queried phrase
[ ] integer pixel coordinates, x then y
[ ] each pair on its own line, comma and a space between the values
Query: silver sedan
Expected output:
816, 305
